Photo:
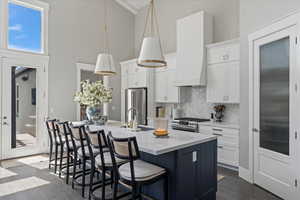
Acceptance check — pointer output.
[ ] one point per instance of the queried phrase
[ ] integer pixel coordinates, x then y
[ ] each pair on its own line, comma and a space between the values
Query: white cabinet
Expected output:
223, 73
228, 143
165, 89
193, 33
136, 76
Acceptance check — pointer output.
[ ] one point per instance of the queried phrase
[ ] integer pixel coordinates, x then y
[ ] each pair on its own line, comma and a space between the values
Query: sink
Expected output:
144, 128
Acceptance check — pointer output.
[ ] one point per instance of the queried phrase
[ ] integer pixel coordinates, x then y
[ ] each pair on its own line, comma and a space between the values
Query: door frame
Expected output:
91, 68
281, 24
28, 59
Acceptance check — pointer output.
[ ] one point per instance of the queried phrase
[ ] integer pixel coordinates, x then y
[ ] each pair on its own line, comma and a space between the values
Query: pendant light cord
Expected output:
106, 36
151, 15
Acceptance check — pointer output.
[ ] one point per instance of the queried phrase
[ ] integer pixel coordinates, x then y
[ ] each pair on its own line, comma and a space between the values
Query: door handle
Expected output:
5, 123
255, 130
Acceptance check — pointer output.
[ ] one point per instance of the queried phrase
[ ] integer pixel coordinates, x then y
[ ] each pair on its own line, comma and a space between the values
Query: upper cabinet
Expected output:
132, 75
193, 34
165, 89
223, 72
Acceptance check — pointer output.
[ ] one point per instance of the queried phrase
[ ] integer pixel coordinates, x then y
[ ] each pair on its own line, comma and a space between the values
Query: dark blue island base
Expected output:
192, 173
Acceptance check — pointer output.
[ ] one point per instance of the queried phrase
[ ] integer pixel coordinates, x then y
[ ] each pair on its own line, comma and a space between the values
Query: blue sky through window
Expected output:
24, 28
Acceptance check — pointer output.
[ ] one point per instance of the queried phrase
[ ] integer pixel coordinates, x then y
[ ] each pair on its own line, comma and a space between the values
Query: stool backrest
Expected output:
64, 129
51, 130
78, 134
124, 148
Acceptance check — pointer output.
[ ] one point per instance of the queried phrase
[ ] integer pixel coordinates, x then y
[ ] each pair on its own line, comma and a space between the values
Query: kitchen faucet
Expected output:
136, 114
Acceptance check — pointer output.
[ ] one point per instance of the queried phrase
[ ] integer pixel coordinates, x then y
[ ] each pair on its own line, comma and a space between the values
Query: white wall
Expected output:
225, 12
76, 35
255, 14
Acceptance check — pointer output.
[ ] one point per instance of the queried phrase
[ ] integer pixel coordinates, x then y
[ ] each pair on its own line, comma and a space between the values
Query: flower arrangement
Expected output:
93, 94
219, 109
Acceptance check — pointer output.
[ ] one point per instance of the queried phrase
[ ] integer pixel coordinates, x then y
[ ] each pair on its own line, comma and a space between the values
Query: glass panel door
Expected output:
274, 95
20, 113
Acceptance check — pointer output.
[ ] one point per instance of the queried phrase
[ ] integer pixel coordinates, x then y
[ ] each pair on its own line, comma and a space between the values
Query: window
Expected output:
25, 27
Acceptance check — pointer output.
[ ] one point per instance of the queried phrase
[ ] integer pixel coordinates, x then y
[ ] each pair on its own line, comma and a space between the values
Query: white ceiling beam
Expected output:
127, 6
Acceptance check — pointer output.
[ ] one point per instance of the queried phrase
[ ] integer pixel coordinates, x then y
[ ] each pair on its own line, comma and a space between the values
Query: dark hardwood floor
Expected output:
234, 188
47, 186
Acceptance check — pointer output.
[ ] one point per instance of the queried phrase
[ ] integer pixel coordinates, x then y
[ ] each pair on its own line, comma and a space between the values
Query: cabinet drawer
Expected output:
228, 155
205, 130
226, 136
223, 54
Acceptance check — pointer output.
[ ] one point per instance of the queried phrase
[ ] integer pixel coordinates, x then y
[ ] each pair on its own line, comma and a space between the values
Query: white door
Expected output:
275, 112
24, 107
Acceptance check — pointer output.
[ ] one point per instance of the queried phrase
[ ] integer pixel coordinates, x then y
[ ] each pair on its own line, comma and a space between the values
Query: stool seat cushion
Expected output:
108, 160
144, 171
77, 144
87, 153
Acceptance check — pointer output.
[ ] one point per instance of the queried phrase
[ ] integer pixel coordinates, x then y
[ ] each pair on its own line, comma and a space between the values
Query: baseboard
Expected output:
245, 174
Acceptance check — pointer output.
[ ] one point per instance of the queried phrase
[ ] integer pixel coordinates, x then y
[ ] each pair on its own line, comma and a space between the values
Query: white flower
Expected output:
93, 94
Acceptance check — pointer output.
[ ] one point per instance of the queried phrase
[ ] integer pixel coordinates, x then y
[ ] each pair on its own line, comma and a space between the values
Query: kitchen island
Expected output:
190, 159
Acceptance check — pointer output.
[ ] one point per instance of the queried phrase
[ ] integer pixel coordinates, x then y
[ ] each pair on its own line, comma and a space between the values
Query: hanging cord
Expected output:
146, 25
155, 18
106, 36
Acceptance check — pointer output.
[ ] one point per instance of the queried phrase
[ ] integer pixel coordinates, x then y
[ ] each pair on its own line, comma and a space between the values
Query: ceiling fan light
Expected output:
105, 65
151, 54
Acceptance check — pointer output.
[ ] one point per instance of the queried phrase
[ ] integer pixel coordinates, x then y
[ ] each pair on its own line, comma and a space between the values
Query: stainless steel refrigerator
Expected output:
136, 100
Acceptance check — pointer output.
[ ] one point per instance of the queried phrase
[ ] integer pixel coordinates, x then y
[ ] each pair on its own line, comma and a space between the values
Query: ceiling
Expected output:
133, 5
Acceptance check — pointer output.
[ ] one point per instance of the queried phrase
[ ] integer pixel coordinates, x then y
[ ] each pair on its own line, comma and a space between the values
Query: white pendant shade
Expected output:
151, 54
105, 65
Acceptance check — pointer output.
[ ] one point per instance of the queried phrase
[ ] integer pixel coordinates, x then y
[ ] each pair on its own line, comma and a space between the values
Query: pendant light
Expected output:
151, 54
105, 63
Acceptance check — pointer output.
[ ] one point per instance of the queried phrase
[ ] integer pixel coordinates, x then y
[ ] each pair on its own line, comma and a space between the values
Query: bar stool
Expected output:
102, 163
83, 154
56, 140
136, 173
70, 147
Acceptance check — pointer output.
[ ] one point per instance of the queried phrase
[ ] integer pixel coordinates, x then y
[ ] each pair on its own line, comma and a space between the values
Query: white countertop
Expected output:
149, 143
220, 124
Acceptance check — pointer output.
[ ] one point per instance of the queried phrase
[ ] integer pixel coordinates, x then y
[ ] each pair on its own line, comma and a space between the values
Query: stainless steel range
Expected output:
187, 124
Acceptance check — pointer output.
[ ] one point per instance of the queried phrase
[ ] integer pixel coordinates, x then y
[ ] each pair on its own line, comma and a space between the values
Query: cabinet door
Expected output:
234, 82
161, 86
228, 155
223, 83
187, 174
172, 90
216, 89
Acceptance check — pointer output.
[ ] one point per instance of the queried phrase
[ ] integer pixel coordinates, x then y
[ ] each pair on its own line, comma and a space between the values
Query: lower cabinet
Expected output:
192, 173
228, 144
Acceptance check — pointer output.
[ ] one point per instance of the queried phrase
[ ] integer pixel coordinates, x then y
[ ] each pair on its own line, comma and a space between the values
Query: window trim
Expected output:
33, 4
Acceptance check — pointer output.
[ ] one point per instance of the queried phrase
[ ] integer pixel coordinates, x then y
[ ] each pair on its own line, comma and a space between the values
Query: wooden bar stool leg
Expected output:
74, 169
83, 176
103, 182
166, 188
56, 157
68, 167
91, 180
50, 155
61, 159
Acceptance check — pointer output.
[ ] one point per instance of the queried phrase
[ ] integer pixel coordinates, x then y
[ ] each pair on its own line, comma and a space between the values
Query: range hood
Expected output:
194, 32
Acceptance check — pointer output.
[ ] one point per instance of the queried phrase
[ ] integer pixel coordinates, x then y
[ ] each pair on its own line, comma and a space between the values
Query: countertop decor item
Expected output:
161, 127
105, 63
151, 53
219, 110
93, 95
